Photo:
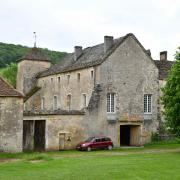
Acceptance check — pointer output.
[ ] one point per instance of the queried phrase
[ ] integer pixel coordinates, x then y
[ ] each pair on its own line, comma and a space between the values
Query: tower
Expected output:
29, 66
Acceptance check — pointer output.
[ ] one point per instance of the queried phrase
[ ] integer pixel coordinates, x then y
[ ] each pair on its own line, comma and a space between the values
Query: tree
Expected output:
9, 73
171, 97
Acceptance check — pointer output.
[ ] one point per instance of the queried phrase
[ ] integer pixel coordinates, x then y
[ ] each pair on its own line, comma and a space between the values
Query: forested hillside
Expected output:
9, 53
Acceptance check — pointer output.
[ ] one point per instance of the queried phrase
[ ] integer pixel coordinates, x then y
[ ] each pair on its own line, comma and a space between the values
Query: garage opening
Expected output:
124, 135
129, 135
34, 135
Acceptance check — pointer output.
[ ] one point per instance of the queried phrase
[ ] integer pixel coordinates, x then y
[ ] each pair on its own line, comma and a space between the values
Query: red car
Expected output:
95, 143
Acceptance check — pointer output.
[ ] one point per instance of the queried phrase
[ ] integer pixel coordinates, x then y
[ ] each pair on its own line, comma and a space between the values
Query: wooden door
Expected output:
28, 135
61, 141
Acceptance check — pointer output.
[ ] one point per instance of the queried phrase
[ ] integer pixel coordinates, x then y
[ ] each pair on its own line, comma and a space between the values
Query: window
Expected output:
84, 100
42, 103
78, 77
51, 80
92, 74
68, 78
147, 103
59, 79
69, 101
110, 103
55, 103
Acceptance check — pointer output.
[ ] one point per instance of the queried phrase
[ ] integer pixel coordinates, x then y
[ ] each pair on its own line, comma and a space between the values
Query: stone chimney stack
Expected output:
148, 52
163, 56
108, 43
77, 52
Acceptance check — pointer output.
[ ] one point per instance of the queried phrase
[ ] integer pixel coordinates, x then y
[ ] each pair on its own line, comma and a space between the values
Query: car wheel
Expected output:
88, 148
109, 147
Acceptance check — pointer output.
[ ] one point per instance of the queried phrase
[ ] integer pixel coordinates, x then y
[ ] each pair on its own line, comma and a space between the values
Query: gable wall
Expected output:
129, 73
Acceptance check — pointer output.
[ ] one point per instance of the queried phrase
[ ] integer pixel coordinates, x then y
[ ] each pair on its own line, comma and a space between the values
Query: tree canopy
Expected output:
171, 97
9, 53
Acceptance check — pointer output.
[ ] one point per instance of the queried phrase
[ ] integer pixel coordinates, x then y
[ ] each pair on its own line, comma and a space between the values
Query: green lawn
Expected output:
152, 162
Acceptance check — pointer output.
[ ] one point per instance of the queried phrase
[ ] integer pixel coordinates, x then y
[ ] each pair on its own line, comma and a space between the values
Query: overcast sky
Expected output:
62, 24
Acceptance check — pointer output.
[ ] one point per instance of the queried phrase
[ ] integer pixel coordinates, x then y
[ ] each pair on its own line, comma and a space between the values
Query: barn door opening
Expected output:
34, 135
129, 135
39, 136
124, 135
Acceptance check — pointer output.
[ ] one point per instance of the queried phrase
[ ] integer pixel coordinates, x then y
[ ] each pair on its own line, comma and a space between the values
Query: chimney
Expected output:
108, 43
148, 52
77, 52
163, 56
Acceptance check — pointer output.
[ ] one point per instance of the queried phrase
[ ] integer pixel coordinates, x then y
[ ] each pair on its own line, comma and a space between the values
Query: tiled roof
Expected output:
91, 56
164, 66
7, 90
35, 54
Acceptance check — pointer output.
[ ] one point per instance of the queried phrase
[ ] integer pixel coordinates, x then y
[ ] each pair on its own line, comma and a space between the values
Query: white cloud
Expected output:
61, 24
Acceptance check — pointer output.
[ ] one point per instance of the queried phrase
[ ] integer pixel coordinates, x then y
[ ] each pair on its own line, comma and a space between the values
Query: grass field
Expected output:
157, 161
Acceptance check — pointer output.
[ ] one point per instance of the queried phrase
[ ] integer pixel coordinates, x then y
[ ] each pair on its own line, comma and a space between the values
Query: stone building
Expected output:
110, 89
11, 118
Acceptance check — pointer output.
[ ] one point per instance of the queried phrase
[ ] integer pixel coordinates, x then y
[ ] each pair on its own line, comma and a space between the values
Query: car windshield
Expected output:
89, 139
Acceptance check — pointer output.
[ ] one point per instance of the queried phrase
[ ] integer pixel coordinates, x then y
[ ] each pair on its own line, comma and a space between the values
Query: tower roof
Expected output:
35, 54
7, 90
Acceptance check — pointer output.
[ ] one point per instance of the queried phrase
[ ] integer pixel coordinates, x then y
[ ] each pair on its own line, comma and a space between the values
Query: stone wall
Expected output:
129, 73
11, 121
58, 85
27, 70
69, 126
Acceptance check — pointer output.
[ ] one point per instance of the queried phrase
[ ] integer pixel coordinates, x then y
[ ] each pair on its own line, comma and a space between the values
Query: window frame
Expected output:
84, 96
54, 102
109, 104
78, 77
146, 104
43, 103
69, 101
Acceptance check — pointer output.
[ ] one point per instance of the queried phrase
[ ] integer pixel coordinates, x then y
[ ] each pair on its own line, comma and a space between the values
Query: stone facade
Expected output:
11, 119
68, 102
